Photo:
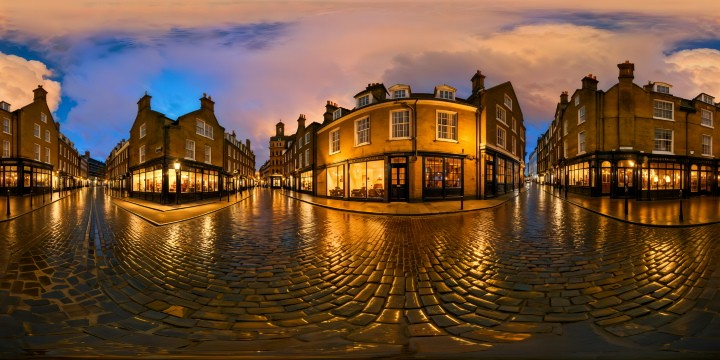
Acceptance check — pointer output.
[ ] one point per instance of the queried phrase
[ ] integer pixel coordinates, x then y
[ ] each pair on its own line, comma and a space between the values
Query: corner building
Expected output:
637, 141
396, 145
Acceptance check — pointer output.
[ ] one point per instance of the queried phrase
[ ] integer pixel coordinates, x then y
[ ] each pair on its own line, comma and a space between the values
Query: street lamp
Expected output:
176, 165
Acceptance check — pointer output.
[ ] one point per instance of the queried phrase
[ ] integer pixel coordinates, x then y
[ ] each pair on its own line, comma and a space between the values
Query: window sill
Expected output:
663, 152
400, 138
707, 126
363, 144
664, 119
447, 140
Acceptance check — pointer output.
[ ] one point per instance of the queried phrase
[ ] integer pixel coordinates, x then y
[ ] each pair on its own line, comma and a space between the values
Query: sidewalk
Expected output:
402, 208
21, 205
164, 214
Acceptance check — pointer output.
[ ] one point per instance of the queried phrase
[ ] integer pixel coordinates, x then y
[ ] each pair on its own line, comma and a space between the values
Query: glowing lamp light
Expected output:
176, 165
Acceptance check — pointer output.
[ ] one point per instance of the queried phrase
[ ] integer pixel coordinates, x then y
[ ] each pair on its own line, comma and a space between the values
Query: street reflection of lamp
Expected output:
176, 165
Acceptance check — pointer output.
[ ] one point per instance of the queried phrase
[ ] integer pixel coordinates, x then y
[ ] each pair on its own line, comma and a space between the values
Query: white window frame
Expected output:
37, 150
143, 131
655, 141
707, 146
500, 114
334, 141
581, 115
582, 144
446, 94
43, 117
577, 100
337, 114
707, 99
47, 155
362, 136
6, 149
508, 102
308, 138
307, 157
208, 154
47, 135
703, 118
501, 137
396, 124
450, 128
36, 130
400, 94
662, 88
142, 154
363, 100
514, 145
189, 149
204, 129
656, 109
7, 127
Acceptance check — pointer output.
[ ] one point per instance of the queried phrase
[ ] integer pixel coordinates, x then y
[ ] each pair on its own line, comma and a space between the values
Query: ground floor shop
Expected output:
637, 175
421, 177
24, 176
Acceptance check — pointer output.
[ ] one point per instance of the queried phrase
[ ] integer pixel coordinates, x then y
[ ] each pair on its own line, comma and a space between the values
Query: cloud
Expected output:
701, 67
21, 76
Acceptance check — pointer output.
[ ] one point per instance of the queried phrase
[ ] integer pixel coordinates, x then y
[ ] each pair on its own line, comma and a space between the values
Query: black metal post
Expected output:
43, 195
681, 209
626, 199
31, 202
177, 187
8, 202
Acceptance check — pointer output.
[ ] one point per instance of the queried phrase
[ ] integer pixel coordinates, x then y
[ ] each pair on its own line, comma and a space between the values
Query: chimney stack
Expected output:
564, 97
626, 70
40, 94
207, 103
144, 102
589, 82
478, 82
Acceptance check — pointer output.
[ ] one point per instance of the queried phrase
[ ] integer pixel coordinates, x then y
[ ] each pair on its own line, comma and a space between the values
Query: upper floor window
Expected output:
400, 124
707, 145
307, 157
581, 142
446, 94
399, 94
500, 114
334, 141
508, 102
6, 148
47, 135
363, 100
581, 115
663, 110
337, 114
663, 140
47, 155
189, 149
5, 106
143, 131
204, 129
514, 145
208, 154
362, 131
501, 137
513, 124
577, 100
6, 126
36, 130
43, 117
447, 126
37, 152
307, 138
142, 154
706, 117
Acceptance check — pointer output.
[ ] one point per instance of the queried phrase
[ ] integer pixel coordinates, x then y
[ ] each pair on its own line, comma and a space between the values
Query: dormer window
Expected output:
707, 99
399, 94
363, 100
662, 88
446, 94
337, 114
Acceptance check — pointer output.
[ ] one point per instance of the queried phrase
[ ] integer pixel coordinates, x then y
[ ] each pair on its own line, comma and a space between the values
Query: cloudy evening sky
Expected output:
262, 61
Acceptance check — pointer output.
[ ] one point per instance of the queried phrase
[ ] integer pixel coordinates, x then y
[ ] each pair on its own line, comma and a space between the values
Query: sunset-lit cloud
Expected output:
266, 61
20, 76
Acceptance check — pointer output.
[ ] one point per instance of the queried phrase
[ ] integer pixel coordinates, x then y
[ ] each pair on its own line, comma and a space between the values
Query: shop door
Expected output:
398, 180
605, 177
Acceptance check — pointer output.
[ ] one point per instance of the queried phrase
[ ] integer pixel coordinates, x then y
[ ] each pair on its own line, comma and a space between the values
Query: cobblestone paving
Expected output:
275, 276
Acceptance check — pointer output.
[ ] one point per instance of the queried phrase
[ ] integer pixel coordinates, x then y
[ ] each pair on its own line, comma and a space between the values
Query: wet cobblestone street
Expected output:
278, 277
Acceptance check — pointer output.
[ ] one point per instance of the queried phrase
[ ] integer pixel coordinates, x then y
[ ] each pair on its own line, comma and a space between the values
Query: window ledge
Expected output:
399, 138
447, 140
659, 118
707, 126
663, 152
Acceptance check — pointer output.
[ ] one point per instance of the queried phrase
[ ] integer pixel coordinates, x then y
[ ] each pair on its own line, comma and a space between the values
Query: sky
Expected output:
266, 61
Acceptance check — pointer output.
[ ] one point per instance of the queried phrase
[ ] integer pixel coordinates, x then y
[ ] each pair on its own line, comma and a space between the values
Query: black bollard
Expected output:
681, 209
8, 202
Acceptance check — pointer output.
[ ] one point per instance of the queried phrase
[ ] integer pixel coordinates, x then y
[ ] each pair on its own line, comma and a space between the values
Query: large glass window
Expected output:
662, 110
367, 179
500, 171
662, 176
579, 174
8, 176
335, 181
447, 125
663, 140
400, 124
362, 131
306, 181
443, 176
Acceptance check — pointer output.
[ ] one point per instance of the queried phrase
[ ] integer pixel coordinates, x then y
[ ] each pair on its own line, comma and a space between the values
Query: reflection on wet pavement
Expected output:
278, 276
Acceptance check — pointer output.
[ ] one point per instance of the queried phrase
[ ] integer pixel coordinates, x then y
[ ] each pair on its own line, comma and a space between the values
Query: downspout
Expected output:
478, 163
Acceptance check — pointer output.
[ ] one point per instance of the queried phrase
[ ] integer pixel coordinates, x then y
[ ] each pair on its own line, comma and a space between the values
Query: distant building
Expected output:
532, 171
117, 172
36, 157
642, 142
94, 171
273, 173
299, 158
178, 160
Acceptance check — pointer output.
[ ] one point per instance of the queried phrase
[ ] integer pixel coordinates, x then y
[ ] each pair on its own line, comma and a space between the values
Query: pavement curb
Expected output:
153, 222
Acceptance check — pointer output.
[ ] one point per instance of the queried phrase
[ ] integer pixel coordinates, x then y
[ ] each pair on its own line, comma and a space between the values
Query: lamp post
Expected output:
681, 210
177, 182
8, 202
